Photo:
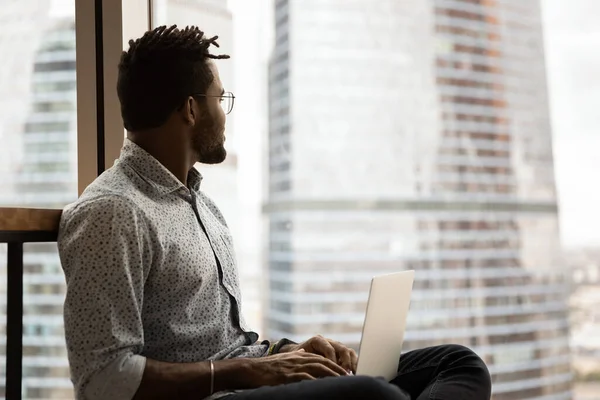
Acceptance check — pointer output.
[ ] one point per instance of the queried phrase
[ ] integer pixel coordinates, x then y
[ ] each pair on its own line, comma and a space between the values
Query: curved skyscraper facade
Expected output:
416, 135
45, 176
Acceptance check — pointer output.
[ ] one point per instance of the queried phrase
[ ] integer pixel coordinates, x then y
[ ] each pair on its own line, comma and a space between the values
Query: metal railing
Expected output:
17, 227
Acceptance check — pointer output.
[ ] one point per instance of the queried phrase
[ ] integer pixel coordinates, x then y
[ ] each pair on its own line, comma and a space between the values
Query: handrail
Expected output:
19, 226
13, 220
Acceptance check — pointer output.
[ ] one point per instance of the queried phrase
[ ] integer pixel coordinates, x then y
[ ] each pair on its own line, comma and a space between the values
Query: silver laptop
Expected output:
385, 323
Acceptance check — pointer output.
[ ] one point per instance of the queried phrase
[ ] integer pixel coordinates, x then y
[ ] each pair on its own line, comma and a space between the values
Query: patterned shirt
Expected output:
150, 272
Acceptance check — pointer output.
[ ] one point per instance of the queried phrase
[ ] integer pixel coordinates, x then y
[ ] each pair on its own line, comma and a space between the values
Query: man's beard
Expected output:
208, 143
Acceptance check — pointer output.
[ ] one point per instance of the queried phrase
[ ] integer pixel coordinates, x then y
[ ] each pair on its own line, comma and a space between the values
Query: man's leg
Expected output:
342, 388
443, 373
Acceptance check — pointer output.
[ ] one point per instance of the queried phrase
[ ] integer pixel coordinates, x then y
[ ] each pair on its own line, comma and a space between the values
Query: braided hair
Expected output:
159, 71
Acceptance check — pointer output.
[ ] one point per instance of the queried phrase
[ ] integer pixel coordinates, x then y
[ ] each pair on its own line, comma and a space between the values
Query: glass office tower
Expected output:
42, 173
416, 135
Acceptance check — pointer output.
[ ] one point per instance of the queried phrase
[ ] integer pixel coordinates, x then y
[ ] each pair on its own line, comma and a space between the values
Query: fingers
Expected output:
346, 357
303, 376
354, 358
350, 360
309, 359
323, 347
334, 351
319, 370
339, 370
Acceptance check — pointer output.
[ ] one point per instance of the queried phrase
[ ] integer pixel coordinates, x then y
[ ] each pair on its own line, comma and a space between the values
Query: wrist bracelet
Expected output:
280, 344
212, 378
271, 349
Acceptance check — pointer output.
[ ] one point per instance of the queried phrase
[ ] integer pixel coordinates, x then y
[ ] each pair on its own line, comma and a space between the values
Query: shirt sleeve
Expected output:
105, 252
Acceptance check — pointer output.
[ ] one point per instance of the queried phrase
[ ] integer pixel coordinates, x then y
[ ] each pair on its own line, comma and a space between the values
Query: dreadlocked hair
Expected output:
159, 71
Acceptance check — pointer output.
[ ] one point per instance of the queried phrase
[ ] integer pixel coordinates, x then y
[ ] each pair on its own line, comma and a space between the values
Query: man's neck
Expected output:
172, 154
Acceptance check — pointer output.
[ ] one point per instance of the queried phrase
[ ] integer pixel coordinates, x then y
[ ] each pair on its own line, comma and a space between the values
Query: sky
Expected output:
572, 36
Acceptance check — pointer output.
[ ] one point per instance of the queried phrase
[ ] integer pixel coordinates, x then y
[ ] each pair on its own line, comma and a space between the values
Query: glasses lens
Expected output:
229, 102
226, 103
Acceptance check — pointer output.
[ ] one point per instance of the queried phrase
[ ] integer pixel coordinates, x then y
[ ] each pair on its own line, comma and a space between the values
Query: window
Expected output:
38, 130
457, 148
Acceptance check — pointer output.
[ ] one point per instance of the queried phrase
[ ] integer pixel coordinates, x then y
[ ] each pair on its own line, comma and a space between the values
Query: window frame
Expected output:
103, 29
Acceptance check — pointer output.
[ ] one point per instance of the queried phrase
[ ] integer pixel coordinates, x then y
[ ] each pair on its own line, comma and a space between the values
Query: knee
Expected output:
365, 387
463, 357
466, 357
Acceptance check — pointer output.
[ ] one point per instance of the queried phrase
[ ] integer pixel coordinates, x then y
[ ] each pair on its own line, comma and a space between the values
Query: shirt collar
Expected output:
154, 172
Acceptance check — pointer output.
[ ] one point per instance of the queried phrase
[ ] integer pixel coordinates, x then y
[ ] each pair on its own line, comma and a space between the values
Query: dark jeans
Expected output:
448, 372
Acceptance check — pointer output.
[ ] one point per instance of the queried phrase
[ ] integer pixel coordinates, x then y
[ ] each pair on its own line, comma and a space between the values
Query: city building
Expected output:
416, 135
585, 316
43, 173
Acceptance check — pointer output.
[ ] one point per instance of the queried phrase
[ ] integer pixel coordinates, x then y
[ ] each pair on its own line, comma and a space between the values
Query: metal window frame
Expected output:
103, 29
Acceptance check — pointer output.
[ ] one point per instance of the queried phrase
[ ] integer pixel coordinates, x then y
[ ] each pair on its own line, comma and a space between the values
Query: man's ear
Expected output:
189, 111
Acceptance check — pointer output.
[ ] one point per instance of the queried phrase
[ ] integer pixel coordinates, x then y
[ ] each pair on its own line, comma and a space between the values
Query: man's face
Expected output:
208, 136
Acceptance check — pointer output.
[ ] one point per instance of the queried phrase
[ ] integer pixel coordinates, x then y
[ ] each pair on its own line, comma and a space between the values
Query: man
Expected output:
153, 306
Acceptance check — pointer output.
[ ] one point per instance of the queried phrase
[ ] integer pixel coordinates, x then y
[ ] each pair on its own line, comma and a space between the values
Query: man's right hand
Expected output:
291, 367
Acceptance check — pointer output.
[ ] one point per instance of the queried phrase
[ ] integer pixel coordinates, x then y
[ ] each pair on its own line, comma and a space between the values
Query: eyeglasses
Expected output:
226, 100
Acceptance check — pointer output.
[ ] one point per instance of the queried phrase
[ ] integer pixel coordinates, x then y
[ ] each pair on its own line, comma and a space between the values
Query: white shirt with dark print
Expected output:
151, 272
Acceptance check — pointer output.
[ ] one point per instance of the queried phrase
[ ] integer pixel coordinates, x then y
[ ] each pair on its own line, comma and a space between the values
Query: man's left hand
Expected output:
335, 351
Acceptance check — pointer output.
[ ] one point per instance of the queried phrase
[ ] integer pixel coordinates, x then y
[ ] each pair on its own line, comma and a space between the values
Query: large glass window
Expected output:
457, 138
38, 168
414, 135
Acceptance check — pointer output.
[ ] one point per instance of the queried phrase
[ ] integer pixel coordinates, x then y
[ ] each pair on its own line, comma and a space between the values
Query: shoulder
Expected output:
102, 213
116, 193
119, 180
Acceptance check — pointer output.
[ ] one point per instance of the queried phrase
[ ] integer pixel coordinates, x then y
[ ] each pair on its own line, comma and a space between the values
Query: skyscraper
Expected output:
45, 175
416, 135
